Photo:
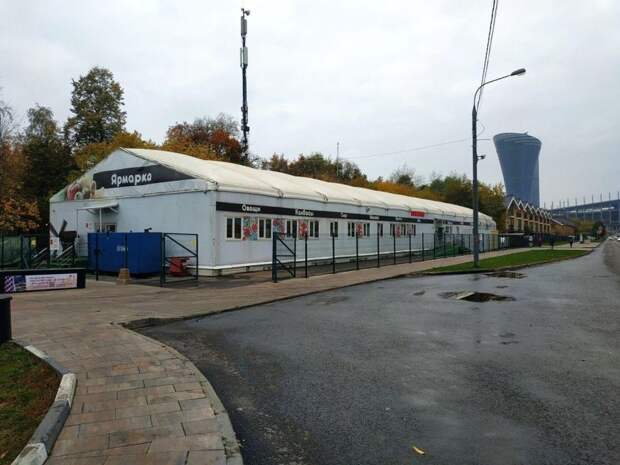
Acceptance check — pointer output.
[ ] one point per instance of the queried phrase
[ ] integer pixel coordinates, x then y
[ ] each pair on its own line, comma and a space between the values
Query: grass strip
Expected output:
529, 257
28, 387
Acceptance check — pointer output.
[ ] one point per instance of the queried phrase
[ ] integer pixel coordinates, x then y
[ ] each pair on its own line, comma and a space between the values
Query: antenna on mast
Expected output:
244, 66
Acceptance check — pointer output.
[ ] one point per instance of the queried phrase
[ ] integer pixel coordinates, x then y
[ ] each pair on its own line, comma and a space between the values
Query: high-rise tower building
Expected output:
518, 157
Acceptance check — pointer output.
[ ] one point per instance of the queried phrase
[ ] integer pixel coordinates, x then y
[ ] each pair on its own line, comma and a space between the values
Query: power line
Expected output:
487, 53
413, 149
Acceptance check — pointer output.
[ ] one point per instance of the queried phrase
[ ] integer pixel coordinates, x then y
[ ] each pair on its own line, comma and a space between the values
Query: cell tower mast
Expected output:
244, 66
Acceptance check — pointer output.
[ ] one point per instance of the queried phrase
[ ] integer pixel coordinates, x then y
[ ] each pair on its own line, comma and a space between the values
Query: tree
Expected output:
209, 139
89, 155
17, 213
48, 156
492, 203
96, 102
406, 176
317, 166
7, 124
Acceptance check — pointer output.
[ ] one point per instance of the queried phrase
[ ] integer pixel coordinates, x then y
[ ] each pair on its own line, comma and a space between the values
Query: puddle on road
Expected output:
506, 274
476, 296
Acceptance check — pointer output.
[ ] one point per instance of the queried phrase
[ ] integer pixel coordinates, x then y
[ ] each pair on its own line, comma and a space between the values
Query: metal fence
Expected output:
151, 258
32, 251
306, 256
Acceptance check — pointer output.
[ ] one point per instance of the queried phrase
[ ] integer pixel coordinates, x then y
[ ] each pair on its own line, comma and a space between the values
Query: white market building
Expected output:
234, 208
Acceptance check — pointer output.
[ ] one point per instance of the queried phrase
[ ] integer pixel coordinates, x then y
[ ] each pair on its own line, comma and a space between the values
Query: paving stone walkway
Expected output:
137, 400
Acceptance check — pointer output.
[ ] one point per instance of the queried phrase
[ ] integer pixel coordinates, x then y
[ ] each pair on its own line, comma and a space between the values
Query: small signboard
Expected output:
41, 280
54, 244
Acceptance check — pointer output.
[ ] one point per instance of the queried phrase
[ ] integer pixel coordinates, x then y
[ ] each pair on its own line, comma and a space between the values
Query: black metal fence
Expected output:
151, 258
306, 256
179, 252
33, 251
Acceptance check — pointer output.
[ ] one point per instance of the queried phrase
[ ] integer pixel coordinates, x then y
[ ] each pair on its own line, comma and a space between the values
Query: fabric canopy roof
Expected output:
229, 177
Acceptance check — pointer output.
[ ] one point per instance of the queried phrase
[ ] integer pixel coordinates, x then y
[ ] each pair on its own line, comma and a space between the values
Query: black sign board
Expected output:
138, 176
307, 213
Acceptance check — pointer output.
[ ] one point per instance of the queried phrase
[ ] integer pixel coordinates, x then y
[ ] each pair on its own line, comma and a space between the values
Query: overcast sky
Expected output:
376, 76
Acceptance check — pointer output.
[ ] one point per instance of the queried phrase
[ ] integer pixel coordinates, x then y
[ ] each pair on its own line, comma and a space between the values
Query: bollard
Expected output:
5, 318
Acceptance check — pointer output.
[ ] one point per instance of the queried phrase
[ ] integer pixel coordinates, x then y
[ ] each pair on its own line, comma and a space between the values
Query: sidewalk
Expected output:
138, 401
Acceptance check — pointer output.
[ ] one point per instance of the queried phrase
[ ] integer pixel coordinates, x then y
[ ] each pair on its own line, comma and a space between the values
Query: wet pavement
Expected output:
363, 374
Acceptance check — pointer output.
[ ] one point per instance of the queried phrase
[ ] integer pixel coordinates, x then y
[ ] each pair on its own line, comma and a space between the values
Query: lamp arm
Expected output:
488, 82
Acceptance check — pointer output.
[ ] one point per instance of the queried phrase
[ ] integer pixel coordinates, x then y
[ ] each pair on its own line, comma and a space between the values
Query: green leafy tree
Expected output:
406, 176
97, 107
317, 166
48, 156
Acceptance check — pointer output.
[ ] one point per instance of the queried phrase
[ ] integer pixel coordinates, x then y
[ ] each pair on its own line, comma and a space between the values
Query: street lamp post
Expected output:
476, 158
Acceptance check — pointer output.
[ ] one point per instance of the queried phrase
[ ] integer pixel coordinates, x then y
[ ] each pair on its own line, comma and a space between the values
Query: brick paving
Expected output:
139, 401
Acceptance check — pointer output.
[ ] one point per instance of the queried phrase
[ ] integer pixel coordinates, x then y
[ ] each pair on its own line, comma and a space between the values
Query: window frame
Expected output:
262, 224
350, 229
233, 223
313, 229
333, 226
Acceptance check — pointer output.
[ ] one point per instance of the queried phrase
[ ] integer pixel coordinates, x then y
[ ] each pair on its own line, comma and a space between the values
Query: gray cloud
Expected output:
376, 76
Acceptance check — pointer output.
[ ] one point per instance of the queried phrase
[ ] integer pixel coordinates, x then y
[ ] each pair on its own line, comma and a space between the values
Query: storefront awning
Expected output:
99, 207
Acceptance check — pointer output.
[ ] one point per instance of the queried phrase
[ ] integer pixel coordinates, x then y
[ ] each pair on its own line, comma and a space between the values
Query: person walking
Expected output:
570, 241
552, 241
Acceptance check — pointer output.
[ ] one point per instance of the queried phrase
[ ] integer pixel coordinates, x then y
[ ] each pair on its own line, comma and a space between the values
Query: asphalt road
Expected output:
363, 374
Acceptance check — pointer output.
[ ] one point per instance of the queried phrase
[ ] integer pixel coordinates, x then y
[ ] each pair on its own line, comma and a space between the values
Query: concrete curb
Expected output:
44, 437
229, 438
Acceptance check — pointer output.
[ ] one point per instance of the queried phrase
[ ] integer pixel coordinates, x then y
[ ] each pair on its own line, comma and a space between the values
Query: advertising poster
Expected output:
39, 282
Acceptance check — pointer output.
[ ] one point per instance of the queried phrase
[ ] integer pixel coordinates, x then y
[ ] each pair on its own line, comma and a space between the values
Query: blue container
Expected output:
141, 250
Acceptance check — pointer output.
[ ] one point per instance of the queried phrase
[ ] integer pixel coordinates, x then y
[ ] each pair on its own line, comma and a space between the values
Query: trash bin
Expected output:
5, 318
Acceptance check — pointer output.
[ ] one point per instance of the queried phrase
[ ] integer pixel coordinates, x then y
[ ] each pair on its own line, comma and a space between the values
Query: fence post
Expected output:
423, 247
96, 256
444, 245
306, 255
454, 251
21, 252
73, 252
378, 250
295, 255
357, 251
1, 251
394, 247
49, 251
126, 252
409, 247
274, 264
434, 247
162, 253
197, 257
333, 254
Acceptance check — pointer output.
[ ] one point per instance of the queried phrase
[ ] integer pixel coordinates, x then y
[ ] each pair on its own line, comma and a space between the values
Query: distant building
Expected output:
518, 157
523, 217
563, 227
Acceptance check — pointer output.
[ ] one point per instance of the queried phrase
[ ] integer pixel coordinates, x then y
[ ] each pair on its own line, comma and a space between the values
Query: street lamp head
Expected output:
518, 72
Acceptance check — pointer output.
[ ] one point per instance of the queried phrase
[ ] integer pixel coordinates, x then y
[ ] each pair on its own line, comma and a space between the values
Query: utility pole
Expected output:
244, 66
337, 158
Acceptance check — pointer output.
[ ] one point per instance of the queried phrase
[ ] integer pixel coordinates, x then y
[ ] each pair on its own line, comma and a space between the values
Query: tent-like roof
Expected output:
231, 177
